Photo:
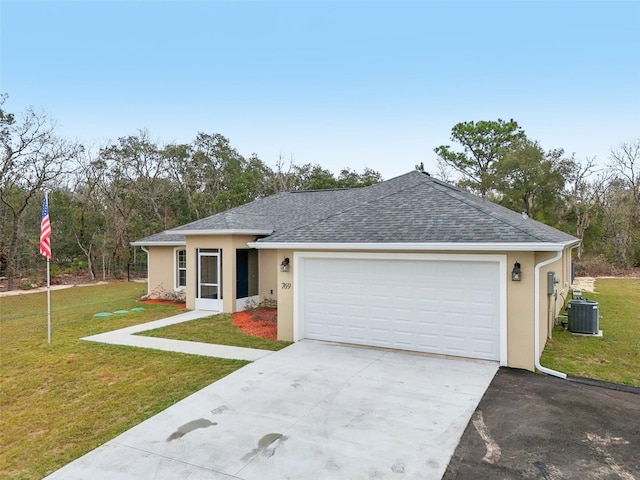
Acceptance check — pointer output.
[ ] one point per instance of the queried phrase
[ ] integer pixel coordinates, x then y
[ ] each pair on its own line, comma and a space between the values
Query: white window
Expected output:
180, 269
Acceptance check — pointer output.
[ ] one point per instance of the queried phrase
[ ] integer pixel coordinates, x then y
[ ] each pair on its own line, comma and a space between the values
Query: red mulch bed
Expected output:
259, 322
163, 302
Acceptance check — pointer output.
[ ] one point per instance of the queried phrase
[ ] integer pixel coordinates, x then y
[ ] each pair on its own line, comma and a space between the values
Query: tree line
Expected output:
102, 199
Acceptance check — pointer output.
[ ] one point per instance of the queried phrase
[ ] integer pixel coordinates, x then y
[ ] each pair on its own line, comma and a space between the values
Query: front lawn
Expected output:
614, 357
217, 329
62, 400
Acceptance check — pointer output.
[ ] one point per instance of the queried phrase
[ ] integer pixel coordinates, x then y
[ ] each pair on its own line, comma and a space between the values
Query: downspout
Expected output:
147, 252
536, 320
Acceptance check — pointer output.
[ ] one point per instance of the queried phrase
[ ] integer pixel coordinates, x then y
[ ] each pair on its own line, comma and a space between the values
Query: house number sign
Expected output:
286, 286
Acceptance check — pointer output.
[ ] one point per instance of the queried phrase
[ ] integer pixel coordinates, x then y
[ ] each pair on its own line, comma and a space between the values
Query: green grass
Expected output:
62, 400
215, 329
614, 357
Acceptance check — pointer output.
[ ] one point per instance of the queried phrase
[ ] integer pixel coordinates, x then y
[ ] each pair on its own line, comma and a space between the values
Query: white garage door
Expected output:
436, 306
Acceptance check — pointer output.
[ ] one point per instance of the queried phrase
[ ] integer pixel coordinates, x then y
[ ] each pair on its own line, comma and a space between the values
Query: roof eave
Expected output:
230, 231
423, 246
177, 243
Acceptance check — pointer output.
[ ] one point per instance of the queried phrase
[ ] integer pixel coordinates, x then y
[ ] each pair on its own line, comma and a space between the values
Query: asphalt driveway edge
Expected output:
602, 384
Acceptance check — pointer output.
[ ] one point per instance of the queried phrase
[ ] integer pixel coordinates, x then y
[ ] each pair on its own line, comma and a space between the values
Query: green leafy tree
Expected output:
228, 179
530, 180
314, 177
351, 179
483, 144
186, 201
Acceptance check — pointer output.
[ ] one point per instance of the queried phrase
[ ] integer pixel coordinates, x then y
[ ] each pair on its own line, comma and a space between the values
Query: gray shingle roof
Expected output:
411, 208
289, 210
162, 238
416, 208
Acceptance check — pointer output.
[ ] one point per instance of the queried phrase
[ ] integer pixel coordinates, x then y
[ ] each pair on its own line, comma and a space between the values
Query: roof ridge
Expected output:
336, 189
460, 196
237, 210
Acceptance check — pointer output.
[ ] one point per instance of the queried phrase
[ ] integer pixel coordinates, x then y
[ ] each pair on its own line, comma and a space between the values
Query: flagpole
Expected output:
48, 304
45, 249
46, 199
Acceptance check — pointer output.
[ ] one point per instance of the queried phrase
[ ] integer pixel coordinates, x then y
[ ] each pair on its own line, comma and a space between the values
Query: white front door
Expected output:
208, 295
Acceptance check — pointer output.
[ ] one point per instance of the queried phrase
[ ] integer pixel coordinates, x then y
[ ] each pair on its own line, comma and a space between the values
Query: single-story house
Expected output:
411, 263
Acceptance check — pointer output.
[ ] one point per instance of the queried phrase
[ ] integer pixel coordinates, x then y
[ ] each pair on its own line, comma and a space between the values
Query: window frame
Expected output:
177, 269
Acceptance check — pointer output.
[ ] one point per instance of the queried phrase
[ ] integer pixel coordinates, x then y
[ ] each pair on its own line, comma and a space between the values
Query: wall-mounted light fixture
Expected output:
284, 265
516, 273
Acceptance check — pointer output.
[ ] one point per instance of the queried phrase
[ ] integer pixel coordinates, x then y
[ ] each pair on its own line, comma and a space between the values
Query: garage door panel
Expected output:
454, 320
485, 347
455, 344
481, 323
447, 307
427, 342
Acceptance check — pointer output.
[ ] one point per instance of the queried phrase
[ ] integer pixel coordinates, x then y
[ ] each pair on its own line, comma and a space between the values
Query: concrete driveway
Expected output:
312, 410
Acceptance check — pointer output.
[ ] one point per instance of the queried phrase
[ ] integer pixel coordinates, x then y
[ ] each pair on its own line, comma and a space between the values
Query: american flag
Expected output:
45, 230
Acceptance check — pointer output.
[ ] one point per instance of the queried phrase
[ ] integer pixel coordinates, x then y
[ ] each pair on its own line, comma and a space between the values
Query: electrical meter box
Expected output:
551, 282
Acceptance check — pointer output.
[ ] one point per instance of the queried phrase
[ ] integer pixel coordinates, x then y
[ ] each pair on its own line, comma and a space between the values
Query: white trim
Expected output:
220, 232
208, 303
176, 287
298, 272
177, 243
503, 311
148, 269
428, 246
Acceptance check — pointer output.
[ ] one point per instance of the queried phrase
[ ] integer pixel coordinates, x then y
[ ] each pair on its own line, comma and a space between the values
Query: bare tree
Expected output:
622, 207
283, 180
625, 163
582, 195
32, 159
444, 172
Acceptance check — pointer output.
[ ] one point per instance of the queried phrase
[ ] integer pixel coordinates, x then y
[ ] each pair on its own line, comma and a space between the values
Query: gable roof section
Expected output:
287, 211
161, 239
279, 212
412, 210
420, 210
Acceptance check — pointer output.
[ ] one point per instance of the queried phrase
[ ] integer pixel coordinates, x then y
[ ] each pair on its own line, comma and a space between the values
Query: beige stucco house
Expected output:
411, 263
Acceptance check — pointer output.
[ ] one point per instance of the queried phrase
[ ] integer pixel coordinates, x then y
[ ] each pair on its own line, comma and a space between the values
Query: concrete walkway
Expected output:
127, 336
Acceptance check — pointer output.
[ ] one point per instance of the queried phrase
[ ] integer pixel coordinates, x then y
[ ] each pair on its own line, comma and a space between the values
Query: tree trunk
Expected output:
13, 252
87, 253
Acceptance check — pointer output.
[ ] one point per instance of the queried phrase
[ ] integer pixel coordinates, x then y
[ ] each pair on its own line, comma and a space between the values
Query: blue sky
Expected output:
342, 84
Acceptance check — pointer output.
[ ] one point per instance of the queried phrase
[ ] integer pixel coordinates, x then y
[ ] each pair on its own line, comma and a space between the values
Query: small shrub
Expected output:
161, 293
269, 303
54, 270
79, 266
250, 304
